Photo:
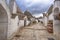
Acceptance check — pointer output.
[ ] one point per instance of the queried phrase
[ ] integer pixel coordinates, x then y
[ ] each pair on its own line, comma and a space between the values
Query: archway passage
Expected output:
3, 23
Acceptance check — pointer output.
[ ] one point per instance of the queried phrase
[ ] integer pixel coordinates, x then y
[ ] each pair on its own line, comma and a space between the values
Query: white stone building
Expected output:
48, 16
4, 19
56, 25
8, 19
45, 19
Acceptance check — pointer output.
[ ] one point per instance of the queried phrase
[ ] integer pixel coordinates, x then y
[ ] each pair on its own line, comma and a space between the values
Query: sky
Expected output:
38, 15
36, 7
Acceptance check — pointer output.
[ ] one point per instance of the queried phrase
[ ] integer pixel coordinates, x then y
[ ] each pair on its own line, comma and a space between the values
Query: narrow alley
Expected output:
29, 19
33, 32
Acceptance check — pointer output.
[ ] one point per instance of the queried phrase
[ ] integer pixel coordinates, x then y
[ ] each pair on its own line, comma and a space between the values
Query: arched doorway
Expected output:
3, 23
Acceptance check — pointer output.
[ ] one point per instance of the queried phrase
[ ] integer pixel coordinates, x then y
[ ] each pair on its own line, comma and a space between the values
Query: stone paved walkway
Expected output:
34, 32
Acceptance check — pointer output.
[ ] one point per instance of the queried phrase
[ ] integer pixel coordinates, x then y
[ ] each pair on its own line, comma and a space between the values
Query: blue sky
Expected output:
34, 6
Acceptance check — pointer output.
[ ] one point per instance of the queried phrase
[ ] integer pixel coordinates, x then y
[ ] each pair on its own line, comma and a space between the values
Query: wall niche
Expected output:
56, 14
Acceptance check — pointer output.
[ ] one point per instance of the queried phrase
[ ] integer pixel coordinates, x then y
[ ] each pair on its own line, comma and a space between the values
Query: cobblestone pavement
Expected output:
34, 32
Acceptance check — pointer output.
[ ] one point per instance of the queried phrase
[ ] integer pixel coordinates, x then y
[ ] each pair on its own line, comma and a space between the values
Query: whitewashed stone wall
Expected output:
13, 27
14, 8
36, 20
21, 23
27, 22
41, 19
51, 16
3, 26
4, 20
56, 25
45, 21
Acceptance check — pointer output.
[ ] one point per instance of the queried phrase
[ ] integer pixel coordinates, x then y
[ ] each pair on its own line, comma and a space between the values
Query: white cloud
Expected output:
38, 15
35, 5
33, 2
29, 3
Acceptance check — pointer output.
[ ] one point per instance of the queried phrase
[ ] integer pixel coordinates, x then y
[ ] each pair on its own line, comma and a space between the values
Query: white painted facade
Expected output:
14, 8
21, 23
45, 20
56, 25
27, 22
8, 25
50, 17
13, 21
13, 26
41, 19
5, 22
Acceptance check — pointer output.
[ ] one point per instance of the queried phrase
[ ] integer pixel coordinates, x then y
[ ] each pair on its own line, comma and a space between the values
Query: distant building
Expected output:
28, 14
